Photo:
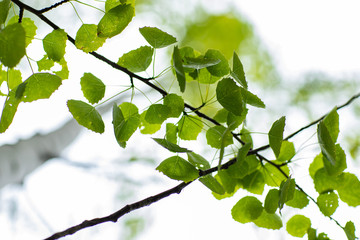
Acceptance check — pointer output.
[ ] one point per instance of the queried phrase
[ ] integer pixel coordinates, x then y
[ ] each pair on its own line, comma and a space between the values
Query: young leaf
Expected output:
40, 86
29, 27
227, 181
348, 189
157, 38
340, 162
229, 96
12, 44
247, 209
200, 62
157, 113
252, 99
220, 69
64, 72
9, 110
298, 225
238, 71
273, 177
350, 230
234, 121
287, 151
328, 202
86, 115
331, 122
299, 200
327, 145
323, 182
109, 4
203, 76
45, 63
240, 168
198, 161
12, 77
272, 201
254, 182
269, 221
54, 44
287, 190
92, 87
217, 135
170, 146
276, 135
148, 128
115, 20
211, 183
178, 168
316, 164
137, 60
189, 127
221, 115
175, 103
171, 132
87, 38
179, 70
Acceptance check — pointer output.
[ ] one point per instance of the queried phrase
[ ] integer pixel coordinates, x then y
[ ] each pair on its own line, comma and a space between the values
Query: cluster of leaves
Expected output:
247, 169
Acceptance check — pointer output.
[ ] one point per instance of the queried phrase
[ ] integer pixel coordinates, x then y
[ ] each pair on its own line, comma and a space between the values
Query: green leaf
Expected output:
40, 86
29, 27
323, 182
227, 181
115, 20
175, 103
109, 4
198, 161
247, 209
240, 168
64, 72
221, 115
273, 177
327, 145
287, 151
331, 122
287, 190
234, 121
157, 114
238, 71
272, 201
340, 162
86, 115
203, 76
349, 189
9, 110
4, 10
220, 69
211, 183
350, 230
126, 120
299, 200
178, 168
148, 128
12, 44
219, 136
269, 221
252, 99
298, 225
200, 62
170, 146
54, 44
12, 77
157, 38
45, 63
179, 70
276, 135
171, 132
87, 38
137, 60
92, 87
254, 182
328, 202
245, 136
189, 127
226, 194
229, 96
316, 164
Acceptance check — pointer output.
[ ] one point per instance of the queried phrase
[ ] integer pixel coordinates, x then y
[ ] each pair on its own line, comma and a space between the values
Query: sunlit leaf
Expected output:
287, 151
12, 77
137, 60
254, 182
171, 132
238, 71
4, 10
211, 183
203, 76
340, 162
299, 200
156, 37
350, 230
220, 69
179, 70
287, 189
323, 182
175, 103
64, 72
157, 113
269, 221
9, 110
348, 189
247, 209
316, 164
227, 181
86, 115
12, 44
221, 115
229, 96
54, 44
200, 62
115, 20
178, 168
198, 161
45, 63
109, 4
92, 87
170, 146
252, 99
148, 128
240, 168
273, 177
328, 202
87, 38
29, 27
219, 136
245, 136
234, 121
189, 127
331, 122
298, 225
276, 135
327, 145
272, 201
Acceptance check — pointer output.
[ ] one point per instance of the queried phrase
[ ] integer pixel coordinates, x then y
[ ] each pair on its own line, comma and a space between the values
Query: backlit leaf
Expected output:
349, 189
238, 71
115, 20
350, 230
12, 77
252, 99
4, 10
45, 63
254, 182
211, 183
54, 44
9, 110
234, 121
156, 37
287, 151
29, 27
109, 4
189, 127
316, 164
64, 72
148, 128
276, 135
203, 76
227, 181
219, 136
273, 177
200, 62
171, 132
175, 103
340, 162
198, 161
157, 113
170, 146
12, 44
240, 168
331, 122
178, 168
92, 87
221, 115
272, 201
269, 221
299, 200
220, 69
323, 182
327, 145
287, 190
247, 209
229, 96
87, 38
137, 60
86, 115
298, 225
328, 202
179, 70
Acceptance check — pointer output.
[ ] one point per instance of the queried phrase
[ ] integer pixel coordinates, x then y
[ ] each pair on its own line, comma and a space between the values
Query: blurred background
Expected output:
300, 57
